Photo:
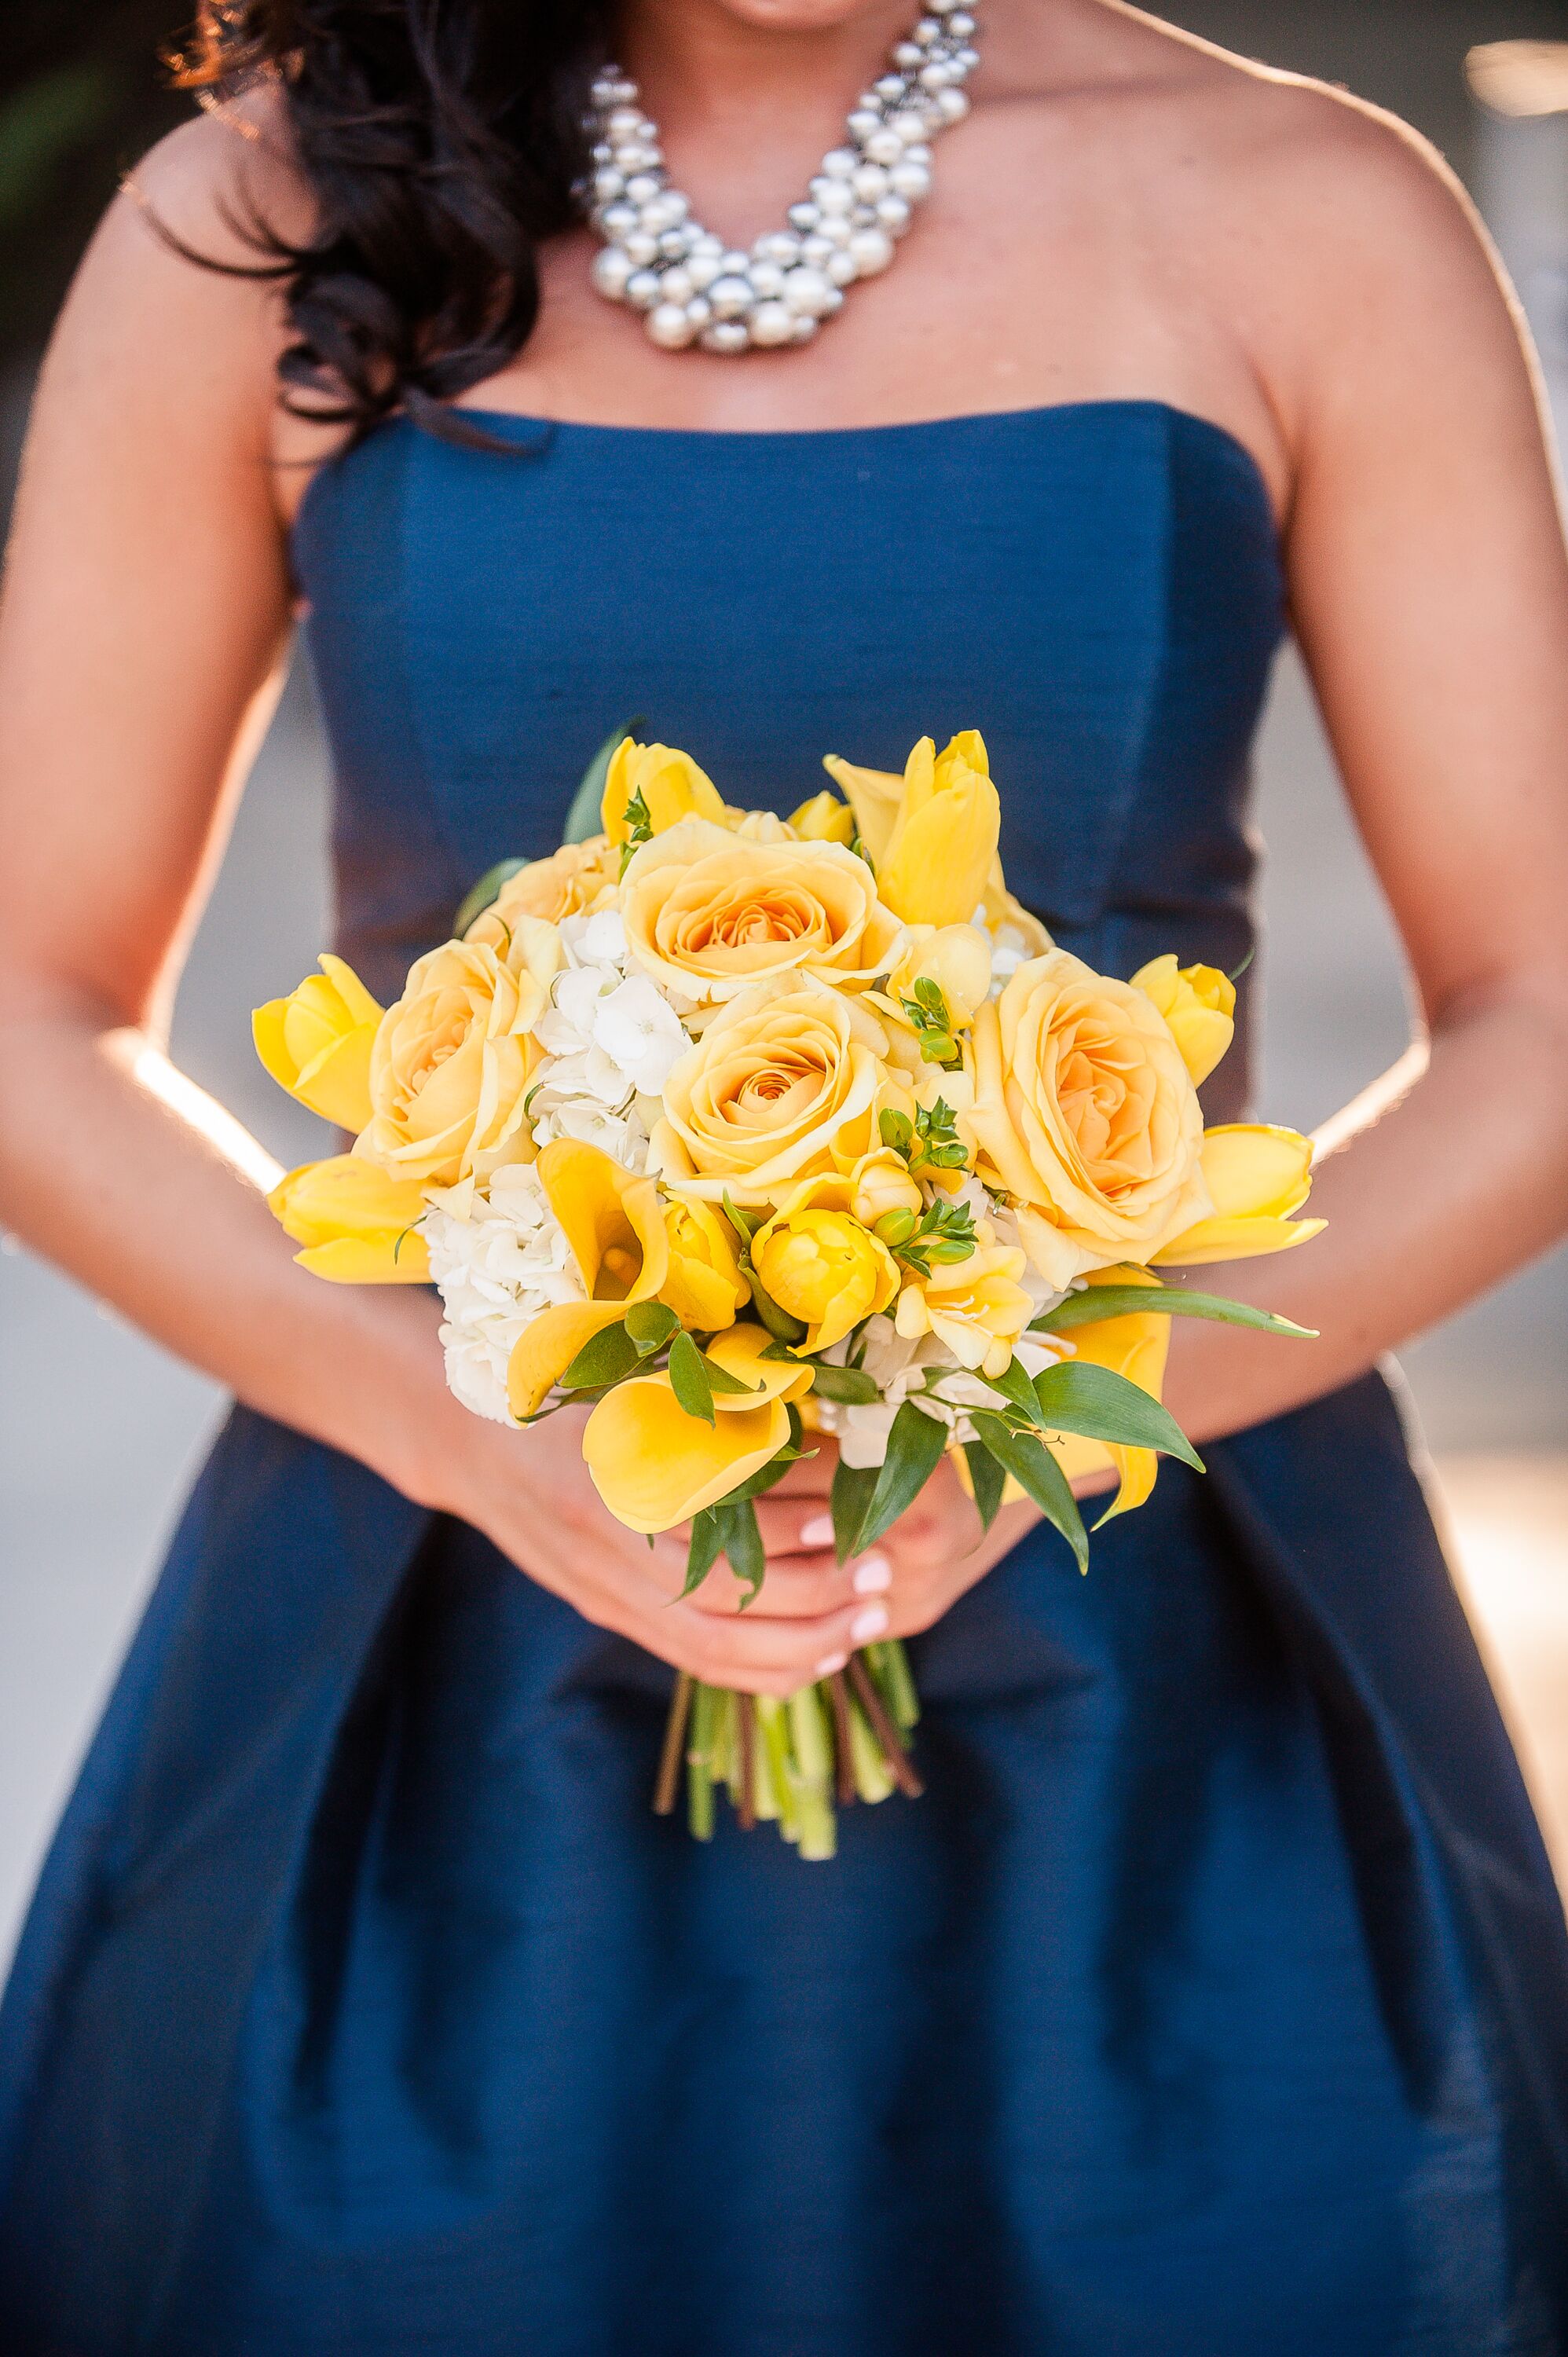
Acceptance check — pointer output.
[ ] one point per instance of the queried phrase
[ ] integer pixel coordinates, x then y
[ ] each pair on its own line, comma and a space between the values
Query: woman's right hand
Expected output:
530, 1494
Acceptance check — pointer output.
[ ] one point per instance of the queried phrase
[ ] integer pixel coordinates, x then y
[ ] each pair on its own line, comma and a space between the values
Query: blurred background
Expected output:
100, 1433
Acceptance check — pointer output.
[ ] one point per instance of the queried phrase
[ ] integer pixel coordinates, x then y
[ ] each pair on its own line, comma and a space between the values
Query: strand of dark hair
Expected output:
440, 140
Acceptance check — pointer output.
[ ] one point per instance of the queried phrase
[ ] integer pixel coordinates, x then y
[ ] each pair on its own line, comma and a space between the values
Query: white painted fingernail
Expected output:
831, 1664
869, 1622
872, 1576
818, 1531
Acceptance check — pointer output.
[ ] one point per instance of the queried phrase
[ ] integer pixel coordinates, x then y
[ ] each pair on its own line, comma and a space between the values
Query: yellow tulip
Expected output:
742, 1351
822, 1267
825, 819
704, 1287
615, 1225
1199, 1003
940, 854
356, 1223
655, 1465
1134, 1347
316, 1043
874, 796
1256, 1177
669, 783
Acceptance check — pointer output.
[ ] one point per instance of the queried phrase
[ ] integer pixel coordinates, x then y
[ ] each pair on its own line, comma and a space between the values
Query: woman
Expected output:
1213, 2000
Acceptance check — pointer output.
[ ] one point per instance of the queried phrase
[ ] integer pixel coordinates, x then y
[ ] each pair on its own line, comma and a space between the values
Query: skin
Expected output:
1126, 213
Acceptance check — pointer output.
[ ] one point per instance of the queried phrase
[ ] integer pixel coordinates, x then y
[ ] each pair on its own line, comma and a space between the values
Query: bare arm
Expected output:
146, 611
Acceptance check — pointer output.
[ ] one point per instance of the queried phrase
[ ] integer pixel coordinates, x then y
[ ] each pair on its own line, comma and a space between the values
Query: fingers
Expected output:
761, 1655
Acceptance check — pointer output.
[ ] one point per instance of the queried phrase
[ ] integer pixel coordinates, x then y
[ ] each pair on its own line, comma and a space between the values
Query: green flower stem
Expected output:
775, 1726
872, 1776
814, 1761
700, 1764
890, 1667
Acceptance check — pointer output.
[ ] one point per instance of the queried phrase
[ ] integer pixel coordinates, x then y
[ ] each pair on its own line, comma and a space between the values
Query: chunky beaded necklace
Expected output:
693, 288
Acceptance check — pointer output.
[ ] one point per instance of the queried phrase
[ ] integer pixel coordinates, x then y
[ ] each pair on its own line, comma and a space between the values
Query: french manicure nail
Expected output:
818, 1531
831, 1664
872, 1576
869, 1622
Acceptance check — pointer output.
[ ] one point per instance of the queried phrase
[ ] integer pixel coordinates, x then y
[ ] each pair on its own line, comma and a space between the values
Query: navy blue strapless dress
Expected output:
1215, 1999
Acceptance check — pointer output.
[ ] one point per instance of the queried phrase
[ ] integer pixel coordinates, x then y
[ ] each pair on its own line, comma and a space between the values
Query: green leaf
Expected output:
585, 816
1036, 1472
707, 1545
897, 1131
766, 1478
1238, 970
607, 1357
855, 1486
847, 1386
486, 891
1017, 1389
743, 1545
741, 1222
650, 1325
1092, 1401
1101, 1301
721, 1379
778, 1322
990, 1480
915, 1449
689, 1379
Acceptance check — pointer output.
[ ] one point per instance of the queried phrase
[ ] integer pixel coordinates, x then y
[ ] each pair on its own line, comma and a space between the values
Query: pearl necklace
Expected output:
693, 288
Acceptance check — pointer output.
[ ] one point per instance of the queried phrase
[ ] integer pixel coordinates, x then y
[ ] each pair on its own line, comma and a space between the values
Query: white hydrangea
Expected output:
611, 1038
498, 1263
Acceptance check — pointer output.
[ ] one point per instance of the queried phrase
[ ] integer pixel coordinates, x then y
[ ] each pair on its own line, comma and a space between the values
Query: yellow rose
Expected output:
704, 1287
316, 1043
357, 1225
655, 1465
709, 917
570, 883
1134, 1347
822, 1267
1081, 1109
783, 1085
1255, 1177
1198, 1002
613, 1223
670, 785
450, 1063
825, 819
976, 1308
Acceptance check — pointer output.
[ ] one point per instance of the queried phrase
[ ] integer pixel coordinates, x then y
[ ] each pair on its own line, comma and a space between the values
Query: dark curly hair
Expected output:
440, 140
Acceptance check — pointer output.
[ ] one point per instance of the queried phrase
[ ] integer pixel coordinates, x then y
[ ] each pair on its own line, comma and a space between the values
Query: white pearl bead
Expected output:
707, 243
893, 215
835, 302
927, 30
701, 269
907, 55
804, 218
669, 326
725, 335
780, 246
610, 271
605, 91
767, 281
816, 251
660, 214
607, 186
910, 127
637, 157
960, 24
918, 152
618, 220
967, 59
642, 187
865, 124
890, 88
699, 310
936, 76
869, 183
837, 230
840, 270
642, 289
833, 197
736, 263
805, 329
807, 291
642, 248
872, 251
772, 323
942, 7
677, 285
624, 123
883, 148
910, 181
839, 163
730, 295
953, 104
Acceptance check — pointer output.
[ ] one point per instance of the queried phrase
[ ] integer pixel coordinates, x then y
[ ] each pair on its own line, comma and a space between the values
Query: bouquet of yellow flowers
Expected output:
744, 1130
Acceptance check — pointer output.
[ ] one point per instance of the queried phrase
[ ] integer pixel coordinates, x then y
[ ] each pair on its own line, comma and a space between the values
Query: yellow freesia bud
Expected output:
1198, 1002
316, 1042
356, 1223
822, 1267
615, 1224
1134, 1347
825, 819
940, 855
977, 1308
704, 1287
1256, 1177
880, 1183
670, 785
655, 1465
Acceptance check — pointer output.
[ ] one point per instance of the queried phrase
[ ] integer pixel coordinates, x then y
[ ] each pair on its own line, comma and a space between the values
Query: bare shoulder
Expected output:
222, 178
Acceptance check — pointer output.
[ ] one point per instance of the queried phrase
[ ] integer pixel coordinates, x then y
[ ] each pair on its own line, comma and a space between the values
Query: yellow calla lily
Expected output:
669, 783
741, 1351
316, 1043
1198, 1002
1256, 1175
1134, 1347
655, 1465
356, 1223
825, 819
615, 1225
940, 855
